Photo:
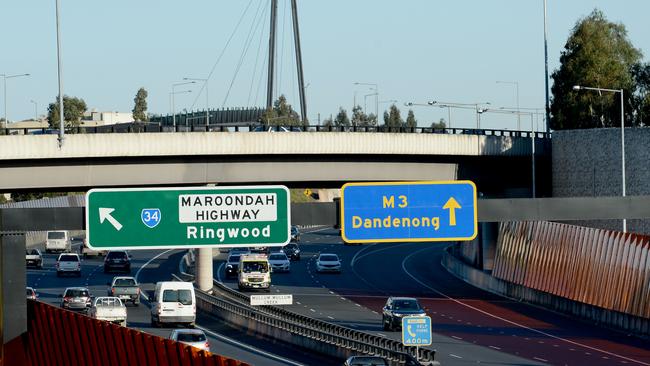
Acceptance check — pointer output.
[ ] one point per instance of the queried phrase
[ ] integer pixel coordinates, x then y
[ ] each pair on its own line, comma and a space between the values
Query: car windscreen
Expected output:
69, 258
56, 235
116, 255
294, 230
406, 305
329, 258
277, 257
255, 267
76, 293
234, 259
190, 337
124, 282
182, 296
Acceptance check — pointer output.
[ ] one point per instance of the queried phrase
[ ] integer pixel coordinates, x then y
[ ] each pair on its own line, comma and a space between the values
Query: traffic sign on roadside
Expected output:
416, 331
278, 299
165, 218
409, 211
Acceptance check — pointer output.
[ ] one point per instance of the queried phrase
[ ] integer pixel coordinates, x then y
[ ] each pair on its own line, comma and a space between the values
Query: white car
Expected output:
279, 262
191, 337
68, 263
328, 262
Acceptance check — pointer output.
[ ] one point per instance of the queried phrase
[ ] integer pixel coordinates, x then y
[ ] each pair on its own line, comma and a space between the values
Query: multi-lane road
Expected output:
470, 326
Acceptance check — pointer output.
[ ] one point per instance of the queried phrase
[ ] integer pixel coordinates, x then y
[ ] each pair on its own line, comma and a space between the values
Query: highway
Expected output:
470, 326
152, 266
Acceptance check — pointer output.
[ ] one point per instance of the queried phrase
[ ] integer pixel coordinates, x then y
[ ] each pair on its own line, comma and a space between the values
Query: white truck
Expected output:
57, 241
110, 309
254, 272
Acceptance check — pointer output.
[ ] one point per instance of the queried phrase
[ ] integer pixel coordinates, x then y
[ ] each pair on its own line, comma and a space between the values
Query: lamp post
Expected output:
376, 86
516, 84
172, 99
4, 80
475, 106
207, 109
35, 109
578, 88
365, 98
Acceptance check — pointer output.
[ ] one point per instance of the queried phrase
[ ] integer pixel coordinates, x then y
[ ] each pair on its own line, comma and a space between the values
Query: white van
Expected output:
173, 303
57, 241
254, 272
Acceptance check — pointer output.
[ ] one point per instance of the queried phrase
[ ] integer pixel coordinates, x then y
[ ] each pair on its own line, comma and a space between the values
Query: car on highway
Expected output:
279, 262
125, 289
254, 273
192, 337
57, 241
292, 250
110, 309
232, 265
34, 258
87, 251
240, 250
31, 293
76, 298
259, 250
117, 260
366, 361
397, 308
173, 303
68, 263
328, 262
295, 234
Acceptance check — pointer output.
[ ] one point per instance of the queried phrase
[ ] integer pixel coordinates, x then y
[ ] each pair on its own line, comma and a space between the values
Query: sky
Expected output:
414, 50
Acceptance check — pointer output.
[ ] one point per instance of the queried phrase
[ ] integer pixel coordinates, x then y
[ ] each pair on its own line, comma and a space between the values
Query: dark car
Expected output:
76, 298
232, 265
397, 308
292, 250
366, 361
117, 261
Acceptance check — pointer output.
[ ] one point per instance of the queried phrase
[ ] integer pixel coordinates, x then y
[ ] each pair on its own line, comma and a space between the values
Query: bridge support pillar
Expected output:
204, 269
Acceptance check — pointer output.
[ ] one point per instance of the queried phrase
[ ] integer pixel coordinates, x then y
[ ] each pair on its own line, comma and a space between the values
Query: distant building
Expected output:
95, 118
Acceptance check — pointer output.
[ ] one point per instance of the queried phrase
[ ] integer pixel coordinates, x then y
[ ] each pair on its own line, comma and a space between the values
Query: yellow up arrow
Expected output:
451, 205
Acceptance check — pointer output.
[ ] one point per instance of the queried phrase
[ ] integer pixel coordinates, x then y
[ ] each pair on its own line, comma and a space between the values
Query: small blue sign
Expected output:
409, 211
151, 217
416, 331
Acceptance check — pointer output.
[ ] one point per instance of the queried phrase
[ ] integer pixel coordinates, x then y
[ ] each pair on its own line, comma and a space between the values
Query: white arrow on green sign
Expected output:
165, 218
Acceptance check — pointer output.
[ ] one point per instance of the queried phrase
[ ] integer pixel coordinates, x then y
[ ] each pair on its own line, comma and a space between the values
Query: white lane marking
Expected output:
453, 355
455, 337
540, 359
379, 334
330, 317
218, 271
247, 347
137, 274
506, 320
495, 347
298, 302
312, 310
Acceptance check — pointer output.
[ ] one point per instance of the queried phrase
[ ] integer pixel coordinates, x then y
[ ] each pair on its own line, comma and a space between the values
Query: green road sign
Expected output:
164, 218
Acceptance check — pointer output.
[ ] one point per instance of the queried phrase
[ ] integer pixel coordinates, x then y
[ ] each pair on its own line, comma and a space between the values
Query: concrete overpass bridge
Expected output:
326, 159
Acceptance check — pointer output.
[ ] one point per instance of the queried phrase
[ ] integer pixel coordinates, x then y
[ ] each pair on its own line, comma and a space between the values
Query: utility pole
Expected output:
301, 81
548, 103
269, 90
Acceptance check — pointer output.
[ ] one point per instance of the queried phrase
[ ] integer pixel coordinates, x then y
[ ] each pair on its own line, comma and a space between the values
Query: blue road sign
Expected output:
408, 211
416, 331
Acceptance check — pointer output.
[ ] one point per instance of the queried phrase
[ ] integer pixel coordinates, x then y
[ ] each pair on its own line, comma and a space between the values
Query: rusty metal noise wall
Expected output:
608, 269
63, 338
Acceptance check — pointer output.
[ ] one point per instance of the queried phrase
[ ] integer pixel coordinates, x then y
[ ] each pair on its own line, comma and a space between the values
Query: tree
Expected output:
282, 114
342, 119
598, 53
439, 124
641, 73
73, 109
393, 118
360, 119
411, 122
140, 105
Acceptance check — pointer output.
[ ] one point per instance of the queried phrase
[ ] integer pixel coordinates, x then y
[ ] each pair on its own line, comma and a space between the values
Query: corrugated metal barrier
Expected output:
60, 337
603, 268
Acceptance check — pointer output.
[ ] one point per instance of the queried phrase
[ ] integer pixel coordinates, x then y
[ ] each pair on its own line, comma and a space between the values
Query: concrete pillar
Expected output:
204, 269
13, 307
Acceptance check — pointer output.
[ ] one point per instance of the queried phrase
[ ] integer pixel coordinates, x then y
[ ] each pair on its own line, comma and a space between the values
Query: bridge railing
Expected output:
149, 127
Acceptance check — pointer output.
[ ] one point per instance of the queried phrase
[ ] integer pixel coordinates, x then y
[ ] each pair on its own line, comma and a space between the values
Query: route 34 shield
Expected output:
151, 217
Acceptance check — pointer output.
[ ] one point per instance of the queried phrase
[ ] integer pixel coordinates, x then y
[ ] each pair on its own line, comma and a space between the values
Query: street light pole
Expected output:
174, 107
376, 96
174, 85
207, 109
578, 88
60, 77
35, 110
548, 103
4, 78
